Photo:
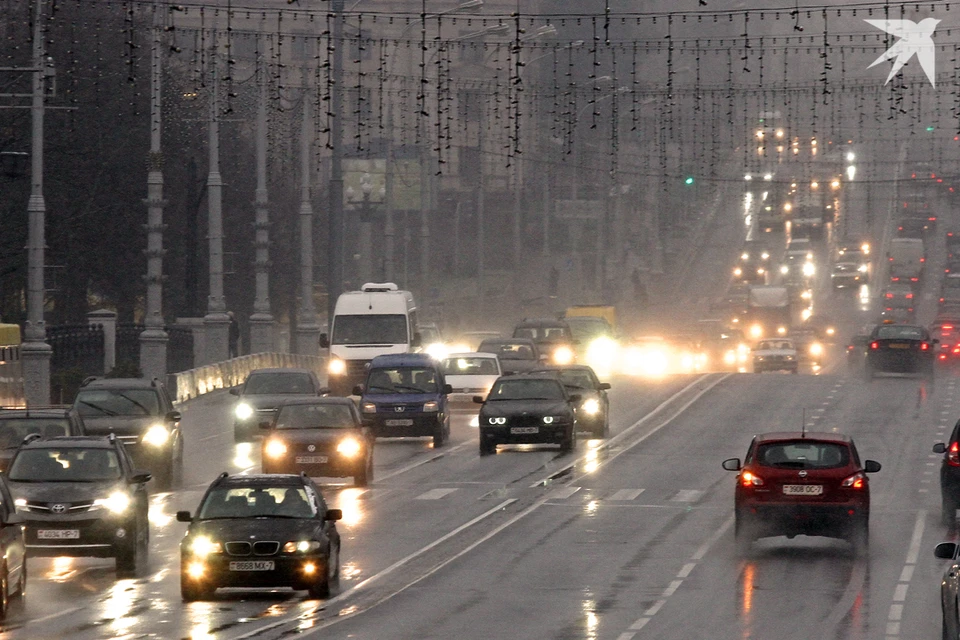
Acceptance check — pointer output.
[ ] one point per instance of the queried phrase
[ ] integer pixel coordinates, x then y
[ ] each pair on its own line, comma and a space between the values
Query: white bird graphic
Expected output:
915, 38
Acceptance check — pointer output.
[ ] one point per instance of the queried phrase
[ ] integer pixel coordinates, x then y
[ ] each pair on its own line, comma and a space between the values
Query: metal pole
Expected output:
262, 327
480, 222
517, 214
425, 206
35, 352
153, 339
334, 270
308, 331
388, 197
216, 322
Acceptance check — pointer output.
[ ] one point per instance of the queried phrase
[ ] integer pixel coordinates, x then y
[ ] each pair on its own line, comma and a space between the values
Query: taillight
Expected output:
850, 347
932, 218
953, 455
890, 259
749, 479
956, 349
924, 346
889, 295
874, 345
856, 481
914, 279
941, 299
923, 259
909, 296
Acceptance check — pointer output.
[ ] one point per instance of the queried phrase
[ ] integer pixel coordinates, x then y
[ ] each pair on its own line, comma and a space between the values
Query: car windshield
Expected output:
542, 334
803, 454
579, 378
373, 329
96, 403
900, 332
14, 430
509, 351
257, 502
586, 328
278, 383
312, 416
469, 366
430, 335
65, 465
526, 390
402, 380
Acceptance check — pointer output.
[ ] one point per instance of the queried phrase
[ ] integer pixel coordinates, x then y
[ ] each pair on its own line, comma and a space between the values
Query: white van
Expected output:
377, 320
906, 260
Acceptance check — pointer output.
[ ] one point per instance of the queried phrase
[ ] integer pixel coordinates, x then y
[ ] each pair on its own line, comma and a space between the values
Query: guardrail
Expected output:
193, 383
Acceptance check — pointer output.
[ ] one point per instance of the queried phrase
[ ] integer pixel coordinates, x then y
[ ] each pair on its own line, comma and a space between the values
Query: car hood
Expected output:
319, 434
63, 491
262, 528
518, 366
471, 382
508, 408
260, 402
400, 398
120, 425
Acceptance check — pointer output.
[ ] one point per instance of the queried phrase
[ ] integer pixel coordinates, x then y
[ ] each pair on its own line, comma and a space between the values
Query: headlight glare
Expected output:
369, 407
431, 406
563, 355
302, 546
157, 435
243, 411
547, 419
117, 502
337, 367
204, 546
349, 447
497, 420
275, 449
591, 406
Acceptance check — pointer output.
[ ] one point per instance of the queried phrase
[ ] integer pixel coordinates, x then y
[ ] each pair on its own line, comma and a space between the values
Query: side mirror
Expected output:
945, 550
333, 514
324, 391
184, 516
871, 466
234, 391
732, 464
940, 448
324, 341
575, 398
478, 399
357, 390
266, 425
139, 476
604, 386
417, 341
447, 389
173, 416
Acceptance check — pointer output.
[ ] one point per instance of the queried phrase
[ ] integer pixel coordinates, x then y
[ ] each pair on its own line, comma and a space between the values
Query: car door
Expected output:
329, 527
11, 536
140, 493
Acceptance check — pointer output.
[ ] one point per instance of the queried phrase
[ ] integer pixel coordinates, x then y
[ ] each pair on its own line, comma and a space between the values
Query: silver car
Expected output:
949, 591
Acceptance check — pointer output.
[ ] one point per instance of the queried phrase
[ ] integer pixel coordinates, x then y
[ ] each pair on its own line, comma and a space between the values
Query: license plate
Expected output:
252, 565
58, 534
311, 459
802, 489
898, 345
405, 422
524, 429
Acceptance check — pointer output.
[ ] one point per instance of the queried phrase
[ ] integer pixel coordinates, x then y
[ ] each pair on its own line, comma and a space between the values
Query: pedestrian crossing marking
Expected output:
687, 495
435, 494
626, 494
564, 493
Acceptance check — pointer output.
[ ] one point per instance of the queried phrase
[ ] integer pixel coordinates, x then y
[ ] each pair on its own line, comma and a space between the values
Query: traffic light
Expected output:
688, 181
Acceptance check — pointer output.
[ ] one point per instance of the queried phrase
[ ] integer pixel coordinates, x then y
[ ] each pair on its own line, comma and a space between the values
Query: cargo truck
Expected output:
768, 311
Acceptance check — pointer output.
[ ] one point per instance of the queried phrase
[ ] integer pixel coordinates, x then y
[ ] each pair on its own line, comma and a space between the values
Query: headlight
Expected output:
369, 407
765, 255
337, 367
117, 502
756, 331
437, 351
497, 420
349, 447
862, 268
816, 349
432, 406
275, 449
204, 546
809, 269
738, 271
475, 421
563, 355
784, 269
781, 331
20, 504
831, 331
302, 546
591, 406
243, 411
730, 357
157, 435
547, 419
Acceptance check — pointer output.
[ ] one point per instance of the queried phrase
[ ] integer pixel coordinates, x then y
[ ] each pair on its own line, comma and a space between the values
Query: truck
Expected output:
906, 260
768, 311
379, 319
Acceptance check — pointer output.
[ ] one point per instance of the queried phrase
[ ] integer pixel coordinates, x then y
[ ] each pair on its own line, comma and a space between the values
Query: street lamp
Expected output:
366, 210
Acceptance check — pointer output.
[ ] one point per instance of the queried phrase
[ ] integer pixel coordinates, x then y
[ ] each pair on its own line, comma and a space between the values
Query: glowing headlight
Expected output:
808, 269
738, 271
430, 407
831, 331
337, 367
591, 406
475, 421
744, 256
243, 411
784, 269
20, 504
781, 331
816, 349
437, 350
157, 435
807, 294
369, 407
756, 331
730, 357
204, 546
275, 449
196, 570
302, 546
117, 502
862, 268
547, 419
349, 447
563, 355
497, 420
764, 256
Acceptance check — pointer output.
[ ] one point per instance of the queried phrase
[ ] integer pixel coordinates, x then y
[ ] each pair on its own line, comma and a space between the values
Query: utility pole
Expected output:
35, 352
262, 328
216, 323
308, 331
153, 339
335, 223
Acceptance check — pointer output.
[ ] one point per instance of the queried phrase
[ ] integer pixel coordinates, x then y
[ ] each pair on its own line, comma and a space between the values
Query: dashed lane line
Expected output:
895, 614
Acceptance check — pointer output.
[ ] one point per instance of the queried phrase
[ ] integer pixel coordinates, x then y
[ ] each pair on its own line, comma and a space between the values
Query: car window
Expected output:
257, 501
803, 454
526, 390
900, 331
14, 430
97, 403
403, 380
470, 366
310, 416
508, 351
278, 383
65, 465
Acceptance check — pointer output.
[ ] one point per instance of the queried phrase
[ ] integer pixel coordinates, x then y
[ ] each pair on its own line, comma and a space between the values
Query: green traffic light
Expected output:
930, 128
689, 180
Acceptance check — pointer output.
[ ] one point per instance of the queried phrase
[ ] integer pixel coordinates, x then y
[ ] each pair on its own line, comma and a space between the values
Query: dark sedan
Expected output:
321, 437
266, 389
517, 355
593, 410
528, 409
13, 569
900, 348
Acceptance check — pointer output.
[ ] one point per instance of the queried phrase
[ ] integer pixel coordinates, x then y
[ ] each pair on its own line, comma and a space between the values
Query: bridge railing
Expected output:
186, 385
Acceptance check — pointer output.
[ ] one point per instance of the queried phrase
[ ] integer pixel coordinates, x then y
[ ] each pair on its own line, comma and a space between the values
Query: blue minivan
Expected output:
405, 395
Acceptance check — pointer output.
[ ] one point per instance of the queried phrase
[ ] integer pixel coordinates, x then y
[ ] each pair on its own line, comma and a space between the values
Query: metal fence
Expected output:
128, 344
179, 349
77, 353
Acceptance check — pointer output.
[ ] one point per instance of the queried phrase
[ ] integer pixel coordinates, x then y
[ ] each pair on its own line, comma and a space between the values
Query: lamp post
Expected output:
335, 219
308, 331
366, 210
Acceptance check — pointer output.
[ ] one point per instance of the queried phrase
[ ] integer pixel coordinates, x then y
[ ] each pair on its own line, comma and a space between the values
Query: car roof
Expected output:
278, 370
121, 383
561, 367
780, 436
403, 360
530, 376
471, 354
337, 400
527, 341
72, 442
34, 413
541, 322
261, 479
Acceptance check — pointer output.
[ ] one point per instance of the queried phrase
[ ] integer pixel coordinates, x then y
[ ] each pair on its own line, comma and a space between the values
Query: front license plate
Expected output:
58, 534
898, 345
405, 422
802, 489
524, 429
252, 565
311, 459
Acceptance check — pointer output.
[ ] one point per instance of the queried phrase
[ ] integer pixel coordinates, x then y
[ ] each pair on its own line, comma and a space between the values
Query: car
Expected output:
648, 356
949, 476
82, 496
323, 437
595, 340
142, 415
856, 350
912, 228
900, 348
725, 350
846, 275
470, 374
432, 340
266, 389
810, 348
528, 409
952, 265
802, 483
899, 297
405, 395
775, 354
260, 530
516, 355
753, 265
949, 589
946, 332
593, 410
468, 341
553, 337
13, 568
950, 290
48, 422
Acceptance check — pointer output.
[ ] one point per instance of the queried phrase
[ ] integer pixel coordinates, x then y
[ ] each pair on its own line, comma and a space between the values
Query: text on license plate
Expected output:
524, 429
405, 422
311, 459
252, 565
58, 534
898, 345
802, 489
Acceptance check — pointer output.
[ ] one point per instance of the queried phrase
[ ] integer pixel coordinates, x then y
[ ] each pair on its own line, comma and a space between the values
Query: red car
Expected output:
797, 483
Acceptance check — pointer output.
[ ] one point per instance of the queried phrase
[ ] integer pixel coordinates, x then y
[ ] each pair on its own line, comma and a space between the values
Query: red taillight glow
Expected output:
914, 279
874, 345
909, 296
749, 479
889, 295
932, 218
856, 481
953, 455
924, 259
924, 346
956, 349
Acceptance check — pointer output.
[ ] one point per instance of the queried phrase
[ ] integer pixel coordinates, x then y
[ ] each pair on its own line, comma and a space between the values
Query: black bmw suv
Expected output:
82, 497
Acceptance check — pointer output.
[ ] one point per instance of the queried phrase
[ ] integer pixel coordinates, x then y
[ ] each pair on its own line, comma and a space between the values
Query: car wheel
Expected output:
487, 447
868, 373
439, 436
569, 443
192, 592
126, 551
176, 466
21, 592
323, 588
948, 511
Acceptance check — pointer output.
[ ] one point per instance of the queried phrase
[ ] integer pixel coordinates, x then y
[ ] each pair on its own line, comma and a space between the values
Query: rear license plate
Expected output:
405, 422
252, 565
803, 489
520, 430
311, 459
58, 534
898, 345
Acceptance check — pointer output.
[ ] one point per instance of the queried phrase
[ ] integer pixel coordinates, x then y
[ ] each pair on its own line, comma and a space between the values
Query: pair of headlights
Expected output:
428, 407
116, 503
500, 420
348, 447
202, 546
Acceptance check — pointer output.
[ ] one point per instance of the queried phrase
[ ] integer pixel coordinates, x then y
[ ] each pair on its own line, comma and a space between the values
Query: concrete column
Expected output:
217, 322
308, 331
108, 320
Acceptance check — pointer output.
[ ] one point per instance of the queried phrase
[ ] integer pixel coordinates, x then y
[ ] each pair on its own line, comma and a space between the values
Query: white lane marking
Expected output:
639, 624
652, 611
907, 574
705, 547
626, 636
896, 612
626, 494
562, 493
260, 630
419, 463
687, 495
435, 494
54, 615
687, 568
900, 593
914, 550
672, 588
